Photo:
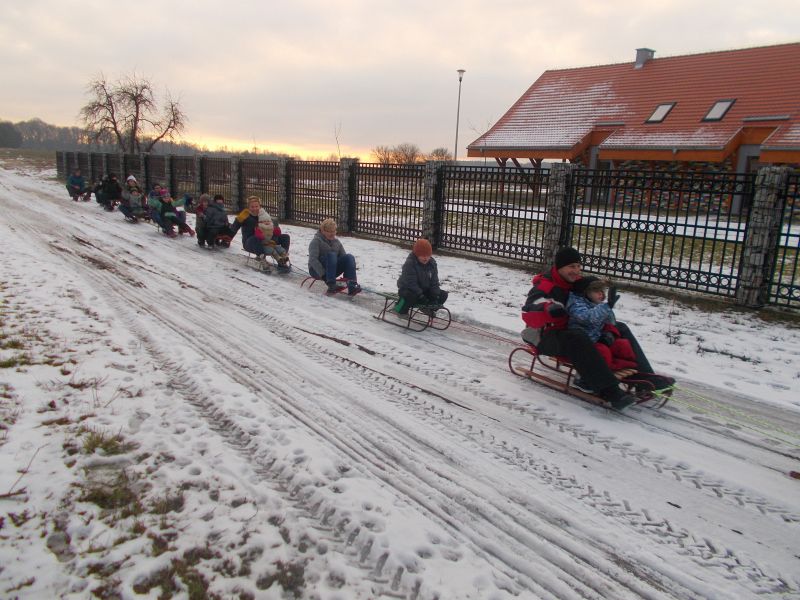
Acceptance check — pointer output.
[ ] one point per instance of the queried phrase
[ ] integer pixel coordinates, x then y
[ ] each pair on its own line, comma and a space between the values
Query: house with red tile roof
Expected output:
732, 110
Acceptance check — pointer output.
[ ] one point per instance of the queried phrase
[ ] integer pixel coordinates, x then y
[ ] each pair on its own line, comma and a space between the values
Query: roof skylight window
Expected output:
660, 113
718, 110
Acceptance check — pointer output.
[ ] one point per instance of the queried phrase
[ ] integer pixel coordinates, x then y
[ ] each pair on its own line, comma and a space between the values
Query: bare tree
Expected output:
126, 111
382, 154
406, 154
440, 154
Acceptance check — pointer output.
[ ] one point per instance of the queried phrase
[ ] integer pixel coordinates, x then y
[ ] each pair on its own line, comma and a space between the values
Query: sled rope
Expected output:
740, 418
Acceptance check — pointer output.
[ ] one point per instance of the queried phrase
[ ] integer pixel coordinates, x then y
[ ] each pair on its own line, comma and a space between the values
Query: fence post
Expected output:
199, 175
763, 229
104, 163
557, 218
348, 189
285, 188
432, 202
236, 182
167, 183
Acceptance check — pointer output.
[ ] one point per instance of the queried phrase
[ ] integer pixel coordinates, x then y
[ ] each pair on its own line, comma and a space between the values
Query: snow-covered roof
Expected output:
564, 107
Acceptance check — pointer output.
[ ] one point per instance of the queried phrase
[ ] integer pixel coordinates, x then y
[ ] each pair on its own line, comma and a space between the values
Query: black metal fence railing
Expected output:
114, 166
260, 178
389, 201
713, 233
314, 191
96, 166
684, 230
134, 165
183, 177
494, 211
784, 287
217, 178
156, 171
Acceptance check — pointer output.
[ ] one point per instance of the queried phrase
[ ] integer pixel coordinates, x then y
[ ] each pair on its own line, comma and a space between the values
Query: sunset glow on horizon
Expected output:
215, 144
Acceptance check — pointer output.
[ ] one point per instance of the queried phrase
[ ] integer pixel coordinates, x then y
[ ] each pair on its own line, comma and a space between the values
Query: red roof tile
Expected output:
558, 111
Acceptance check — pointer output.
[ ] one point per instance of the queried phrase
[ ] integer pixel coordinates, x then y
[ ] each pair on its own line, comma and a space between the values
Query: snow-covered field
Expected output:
177, 424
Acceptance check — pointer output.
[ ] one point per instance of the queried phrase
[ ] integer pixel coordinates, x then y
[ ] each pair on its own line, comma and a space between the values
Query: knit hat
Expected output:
567, 256
422, 248
584, 285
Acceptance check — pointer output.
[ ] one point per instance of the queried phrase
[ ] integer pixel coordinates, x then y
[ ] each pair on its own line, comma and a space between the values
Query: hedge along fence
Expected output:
728, 235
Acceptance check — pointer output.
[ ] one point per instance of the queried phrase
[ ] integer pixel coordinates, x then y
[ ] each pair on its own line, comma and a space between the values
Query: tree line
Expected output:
127, 115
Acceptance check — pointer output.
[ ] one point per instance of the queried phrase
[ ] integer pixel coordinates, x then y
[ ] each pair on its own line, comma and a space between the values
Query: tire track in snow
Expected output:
434, 412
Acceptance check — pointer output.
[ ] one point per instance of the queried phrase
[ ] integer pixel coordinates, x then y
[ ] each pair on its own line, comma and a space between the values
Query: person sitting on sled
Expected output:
328, 260
588, 310
170, 216
132, 205
76, 186
255, 240
545, 315
418, 284
217, 227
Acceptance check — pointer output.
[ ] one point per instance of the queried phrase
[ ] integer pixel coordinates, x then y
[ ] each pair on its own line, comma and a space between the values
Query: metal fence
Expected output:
784, 287
389, 201
217, 178
156, 171
683, 229
183, 177
260, 178
676, 229
494, 211
314, 191
133, 165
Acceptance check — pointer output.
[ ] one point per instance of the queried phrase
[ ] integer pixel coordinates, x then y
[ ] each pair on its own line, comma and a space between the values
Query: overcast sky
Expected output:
288, 75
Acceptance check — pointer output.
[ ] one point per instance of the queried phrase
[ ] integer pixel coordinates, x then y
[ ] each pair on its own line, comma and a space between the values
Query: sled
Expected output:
418, 318
340, 290
558, 373
253, 262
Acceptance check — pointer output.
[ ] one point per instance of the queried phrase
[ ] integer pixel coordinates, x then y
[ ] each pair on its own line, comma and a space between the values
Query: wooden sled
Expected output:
558, 373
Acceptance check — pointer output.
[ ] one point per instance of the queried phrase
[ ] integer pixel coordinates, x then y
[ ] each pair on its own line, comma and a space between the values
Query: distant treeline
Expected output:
35, 134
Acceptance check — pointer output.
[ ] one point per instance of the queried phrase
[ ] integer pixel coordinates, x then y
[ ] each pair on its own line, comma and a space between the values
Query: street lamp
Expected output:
458, 113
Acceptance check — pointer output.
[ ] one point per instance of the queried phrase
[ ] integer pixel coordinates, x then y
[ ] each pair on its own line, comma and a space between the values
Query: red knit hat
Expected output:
422, 248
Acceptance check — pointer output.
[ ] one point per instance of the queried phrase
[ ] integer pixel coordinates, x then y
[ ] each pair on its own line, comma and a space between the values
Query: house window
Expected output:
718, 111
660, 113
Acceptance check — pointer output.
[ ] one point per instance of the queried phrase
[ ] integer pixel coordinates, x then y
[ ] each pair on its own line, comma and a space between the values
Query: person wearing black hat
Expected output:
545, 315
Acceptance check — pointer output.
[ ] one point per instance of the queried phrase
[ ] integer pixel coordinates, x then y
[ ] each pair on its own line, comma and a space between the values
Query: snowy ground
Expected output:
177, 424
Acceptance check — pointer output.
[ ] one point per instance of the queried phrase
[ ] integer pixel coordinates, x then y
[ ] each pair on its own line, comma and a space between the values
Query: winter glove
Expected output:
613, 296
606, 338
556, 309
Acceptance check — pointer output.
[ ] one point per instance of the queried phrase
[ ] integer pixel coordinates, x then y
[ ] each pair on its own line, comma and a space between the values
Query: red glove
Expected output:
276, 231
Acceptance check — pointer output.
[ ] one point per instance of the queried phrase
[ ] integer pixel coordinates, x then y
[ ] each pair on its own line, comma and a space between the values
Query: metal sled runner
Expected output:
558, 373
418, 318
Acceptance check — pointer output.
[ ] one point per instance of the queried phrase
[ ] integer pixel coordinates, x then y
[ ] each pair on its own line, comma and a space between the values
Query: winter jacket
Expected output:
547, 288
112, 190
247, 223
585, 314
418, 278
132, 198
321, 247
76, 181
215, 216
168, 209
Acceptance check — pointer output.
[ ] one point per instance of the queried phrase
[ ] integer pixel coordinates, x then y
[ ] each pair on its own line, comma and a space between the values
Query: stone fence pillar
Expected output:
760, 244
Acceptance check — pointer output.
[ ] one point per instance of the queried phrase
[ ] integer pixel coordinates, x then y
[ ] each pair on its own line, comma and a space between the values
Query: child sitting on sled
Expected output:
589, 311
418, 284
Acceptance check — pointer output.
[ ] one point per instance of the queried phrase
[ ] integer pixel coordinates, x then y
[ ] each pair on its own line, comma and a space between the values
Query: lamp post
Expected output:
458, 113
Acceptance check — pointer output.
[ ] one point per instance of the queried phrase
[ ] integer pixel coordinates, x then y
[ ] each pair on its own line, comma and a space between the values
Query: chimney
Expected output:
642, 56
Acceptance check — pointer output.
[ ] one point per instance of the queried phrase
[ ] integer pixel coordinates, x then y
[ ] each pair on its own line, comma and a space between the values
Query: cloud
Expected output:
384, 72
